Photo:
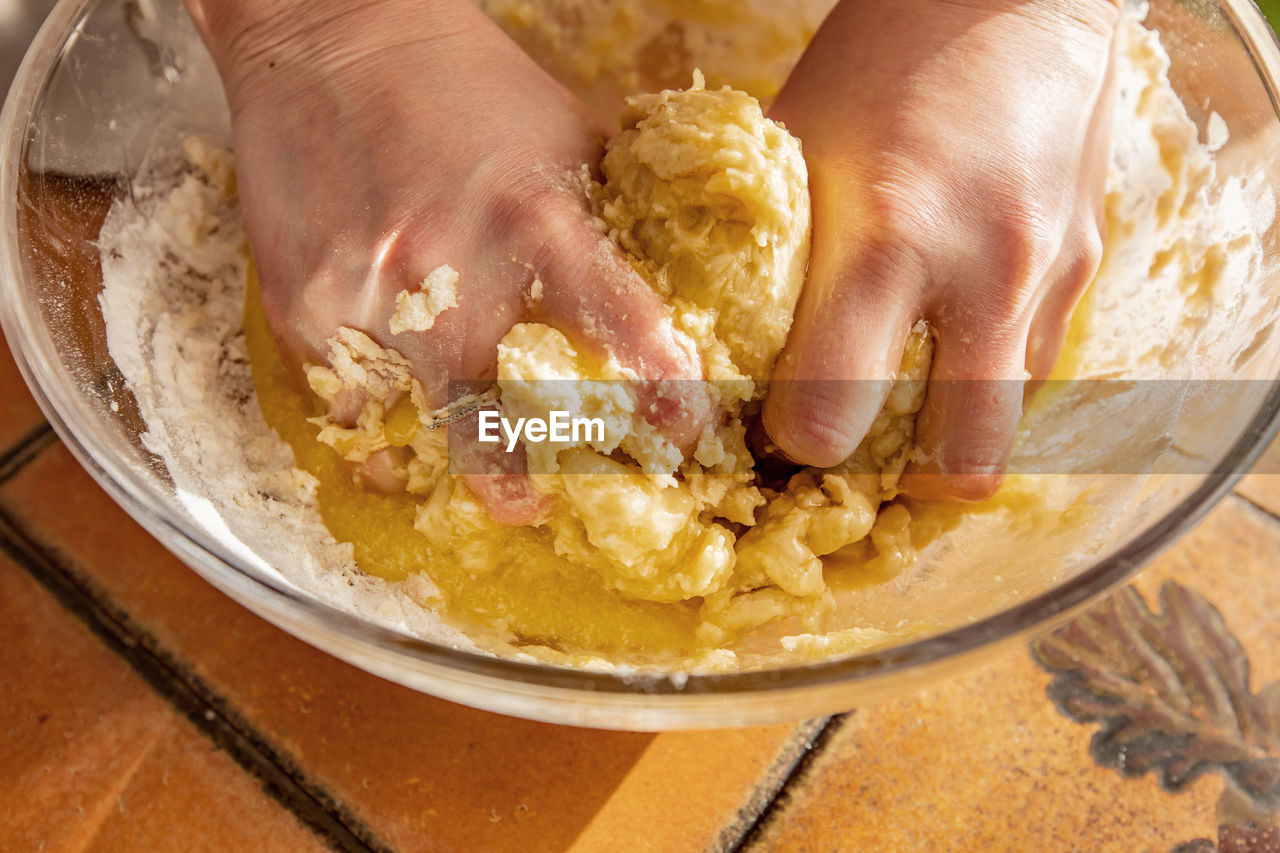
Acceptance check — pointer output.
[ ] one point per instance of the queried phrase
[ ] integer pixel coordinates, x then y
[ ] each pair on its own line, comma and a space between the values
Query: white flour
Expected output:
174, 267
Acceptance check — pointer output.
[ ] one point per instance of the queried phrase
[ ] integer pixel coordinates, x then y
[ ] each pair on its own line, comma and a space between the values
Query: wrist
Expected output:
228, 25
247, 37
1095, 15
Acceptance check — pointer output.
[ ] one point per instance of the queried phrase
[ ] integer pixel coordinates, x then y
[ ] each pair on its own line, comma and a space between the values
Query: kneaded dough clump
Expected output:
712, 199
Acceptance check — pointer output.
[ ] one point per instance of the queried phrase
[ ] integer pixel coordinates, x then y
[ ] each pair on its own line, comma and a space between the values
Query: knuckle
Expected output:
816, 424
887, 248
529, 204
543, 223
889, 262
902, 208
981, 338
884, 275
1092, 247
1021, 250
1077, 266
1026, 241
510, 210
970, 487
333, 297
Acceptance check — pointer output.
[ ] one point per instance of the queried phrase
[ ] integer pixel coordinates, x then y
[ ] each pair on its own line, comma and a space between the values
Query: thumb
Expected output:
839, 362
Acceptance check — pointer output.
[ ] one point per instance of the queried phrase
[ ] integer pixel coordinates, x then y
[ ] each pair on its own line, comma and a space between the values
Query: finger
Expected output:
1078, 263
457, 352
384, 471
509, 498
597, 298
1073, 271
845, 346
497, 476
965, 430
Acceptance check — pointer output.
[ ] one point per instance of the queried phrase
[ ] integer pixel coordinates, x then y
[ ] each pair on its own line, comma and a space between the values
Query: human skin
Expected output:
957, 152
376, 141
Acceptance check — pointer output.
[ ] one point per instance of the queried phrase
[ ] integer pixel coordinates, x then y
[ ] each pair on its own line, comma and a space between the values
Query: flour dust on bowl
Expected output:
130, 307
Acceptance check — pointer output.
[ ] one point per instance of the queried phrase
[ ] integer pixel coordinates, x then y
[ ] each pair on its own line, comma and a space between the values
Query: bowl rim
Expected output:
39, 364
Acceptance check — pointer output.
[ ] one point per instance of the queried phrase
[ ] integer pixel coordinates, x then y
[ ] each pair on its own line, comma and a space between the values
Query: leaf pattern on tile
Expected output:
1249, 838
1236, 838
1171, 690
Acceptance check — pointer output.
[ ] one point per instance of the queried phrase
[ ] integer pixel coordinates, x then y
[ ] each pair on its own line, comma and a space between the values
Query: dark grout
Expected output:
813, 749
27, 448
1261, 509
772, 783
211, 714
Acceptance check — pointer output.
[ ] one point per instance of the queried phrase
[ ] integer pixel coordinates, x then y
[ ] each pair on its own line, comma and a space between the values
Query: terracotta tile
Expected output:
19, 414
677, 763
1262, 484
188, 796
418, 772
92, 758
985, 762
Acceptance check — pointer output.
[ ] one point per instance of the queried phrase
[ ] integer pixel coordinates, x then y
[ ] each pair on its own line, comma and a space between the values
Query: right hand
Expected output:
376, 141
957, 154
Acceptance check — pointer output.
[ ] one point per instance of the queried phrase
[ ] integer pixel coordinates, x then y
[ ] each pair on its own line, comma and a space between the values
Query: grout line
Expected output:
27, 448
814, 747
1271, 515
210, 714
773, 780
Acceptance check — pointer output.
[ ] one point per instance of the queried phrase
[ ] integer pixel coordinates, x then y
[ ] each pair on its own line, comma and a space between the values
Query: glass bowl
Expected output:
108, 84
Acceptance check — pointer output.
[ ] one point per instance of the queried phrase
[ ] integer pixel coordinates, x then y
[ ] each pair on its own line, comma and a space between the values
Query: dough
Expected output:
607, 49
713, 200
417, 312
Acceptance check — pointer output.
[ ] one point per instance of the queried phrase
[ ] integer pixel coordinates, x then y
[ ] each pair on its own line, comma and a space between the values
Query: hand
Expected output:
377, 141
957, 154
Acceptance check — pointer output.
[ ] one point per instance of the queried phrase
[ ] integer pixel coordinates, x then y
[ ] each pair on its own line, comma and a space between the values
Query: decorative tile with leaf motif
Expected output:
1172, 692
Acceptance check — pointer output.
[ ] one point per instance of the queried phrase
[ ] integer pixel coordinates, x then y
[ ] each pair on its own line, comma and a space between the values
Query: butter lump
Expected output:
417, 312
712, 199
